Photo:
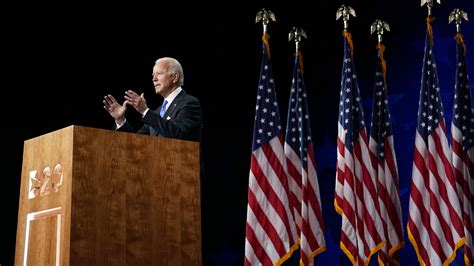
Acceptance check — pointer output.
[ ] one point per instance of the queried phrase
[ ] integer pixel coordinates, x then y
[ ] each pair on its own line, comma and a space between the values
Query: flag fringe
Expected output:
373, 251
390, 255
466, 260
413, 242
338, 208
347, 252
314, 254
450, 259
395, 248
287, 255
459, 244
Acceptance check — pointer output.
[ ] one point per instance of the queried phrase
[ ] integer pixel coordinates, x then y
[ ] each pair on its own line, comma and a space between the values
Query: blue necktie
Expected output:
163, 108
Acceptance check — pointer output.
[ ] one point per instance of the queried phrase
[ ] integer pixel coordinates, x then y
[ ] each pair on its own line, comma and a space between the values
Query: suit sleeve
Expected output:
185, 125
127, 127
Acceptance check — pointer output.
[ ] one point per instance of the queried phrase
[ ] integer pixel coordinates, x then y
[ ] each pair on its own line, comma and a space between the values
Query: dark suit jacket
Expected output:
182, 120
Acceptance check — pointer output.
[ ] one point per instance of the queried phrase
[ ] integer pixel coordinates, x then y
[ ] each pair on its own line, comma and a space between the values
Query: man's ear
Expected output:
176, 77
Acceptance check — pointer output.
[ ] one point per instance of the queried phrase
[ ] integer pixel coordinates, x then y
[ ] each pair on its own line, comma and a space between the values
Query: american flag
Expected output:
385, 167
303, 180
462, 143
434, 223
356, 194
270, 231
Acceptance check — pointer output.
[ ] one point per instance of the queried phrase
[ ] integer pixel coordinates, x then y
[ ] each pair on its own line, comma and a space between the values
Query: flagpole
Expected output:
378, 27
297, 34
345, 12
265, 16
429, 18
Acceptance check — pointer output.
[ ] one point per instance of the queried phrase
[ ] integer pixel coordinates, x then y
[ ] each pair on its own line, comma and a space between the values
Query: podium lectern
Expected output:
100, 197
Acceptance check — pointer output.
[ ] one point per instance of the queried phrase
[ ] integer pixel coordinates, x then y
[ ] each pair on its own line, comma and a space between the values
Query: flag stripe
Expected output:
392, 198
269, 217
259, 239
272, 195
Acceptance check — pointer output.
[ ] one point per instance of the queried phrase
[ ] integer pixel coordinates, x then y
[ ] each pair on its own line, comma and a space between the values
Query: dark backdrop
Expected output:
59, 60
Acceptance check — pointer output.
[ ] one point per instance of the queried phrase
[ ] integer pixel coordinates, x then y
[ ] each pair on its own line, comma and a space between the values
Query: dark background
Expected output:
60, 60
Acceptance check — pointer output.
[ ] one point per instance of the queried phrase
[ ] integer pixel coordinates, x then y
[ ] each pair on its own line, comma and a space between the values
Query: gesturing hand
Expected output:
137, 101
116, 110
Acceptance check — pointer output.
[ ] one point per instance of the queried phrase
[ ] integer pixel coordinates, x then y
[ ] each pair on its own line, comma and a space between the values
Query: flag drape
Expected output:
303, 180
434, 223
381, 145
355, 193
462, 143
270, 230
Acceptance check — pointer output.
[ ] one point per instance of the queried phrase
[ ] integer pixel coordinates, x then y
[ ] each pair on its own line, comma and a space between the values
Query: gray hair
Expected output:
173, 66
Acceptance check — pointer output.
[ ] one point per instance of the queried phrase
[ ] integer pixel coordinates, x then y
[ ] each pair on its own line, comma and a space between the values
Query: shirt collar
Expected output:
173, 95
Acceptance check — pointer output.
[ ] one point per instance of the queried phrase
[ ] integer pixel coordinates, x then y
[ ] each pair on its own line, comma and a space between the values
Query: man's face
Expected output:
163, 80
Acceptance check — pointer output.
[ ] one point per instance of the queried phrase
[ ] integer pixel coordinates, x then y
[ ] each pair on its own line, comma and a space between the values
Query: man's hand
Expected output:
116, 110
137, 101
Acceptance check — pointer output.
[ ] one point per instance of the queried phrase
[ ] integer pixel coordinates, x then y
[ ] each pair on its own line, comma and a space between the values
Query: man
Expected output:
178, 117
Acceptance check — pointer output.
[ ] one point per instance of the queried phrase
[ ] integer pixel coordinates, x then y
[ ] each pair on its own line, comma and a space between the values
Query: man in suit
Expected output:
178, 117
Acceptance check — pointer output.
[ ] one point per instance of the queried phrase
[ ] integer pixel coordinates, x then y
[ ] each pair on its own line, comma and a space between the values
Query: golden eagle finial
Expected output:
265, 16
458, 15
379, 26
345, 12
429, 4
296, 33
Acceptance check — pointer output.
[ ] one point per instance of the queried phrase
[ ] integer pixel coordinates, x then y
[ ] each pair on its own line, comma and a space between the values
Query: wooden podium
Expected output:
100, 197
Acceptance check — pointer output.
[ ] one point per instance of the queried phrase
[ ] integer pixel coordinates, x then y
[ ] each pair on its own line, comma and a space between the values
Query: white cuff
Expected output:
121, 124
